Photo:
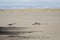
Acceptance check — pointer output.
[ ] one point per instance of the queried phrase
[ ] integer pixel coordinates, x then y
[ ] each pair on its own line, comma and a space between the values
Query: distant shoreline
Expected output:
29, 10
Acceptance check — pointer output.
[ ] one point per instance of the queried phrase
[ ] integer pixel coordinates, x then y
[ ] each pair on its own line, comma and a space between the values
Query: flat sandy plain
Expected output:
49, 19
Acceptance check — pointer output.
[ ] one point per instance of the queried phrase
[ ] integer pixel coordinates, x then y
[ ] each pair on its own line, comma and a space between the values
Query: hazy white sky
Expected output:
16, 4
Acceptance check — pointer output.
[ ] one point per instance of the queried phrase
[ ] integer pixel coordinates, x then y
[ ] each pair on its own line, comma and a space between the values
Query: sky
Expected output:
21, 4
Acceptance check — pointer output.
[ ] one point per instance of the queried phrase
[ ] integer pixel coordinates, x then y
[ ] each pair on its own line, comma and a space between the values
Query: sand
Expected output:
50, 24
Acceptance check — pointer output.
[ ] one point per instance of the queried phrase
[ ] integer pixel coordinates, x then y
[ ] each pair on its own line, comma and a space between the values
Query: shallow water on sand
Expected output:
49, 27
